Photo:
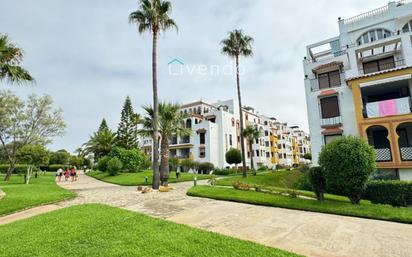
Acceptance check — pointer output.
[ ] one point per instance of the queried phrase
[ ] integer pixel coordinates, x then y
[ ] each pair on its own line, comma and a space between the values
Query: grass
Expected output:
365, 210
100, 230
282, 178
138, 179
41, 190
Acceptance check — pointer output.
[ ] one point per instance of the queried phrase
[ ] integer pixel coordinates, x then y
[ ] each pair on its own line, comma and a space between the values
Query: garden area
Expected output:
342, 185
100, 229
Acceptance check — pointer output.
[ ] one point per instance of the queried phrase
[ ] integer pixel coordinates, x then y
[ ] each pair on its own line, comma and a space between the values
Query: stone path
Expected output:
310, 234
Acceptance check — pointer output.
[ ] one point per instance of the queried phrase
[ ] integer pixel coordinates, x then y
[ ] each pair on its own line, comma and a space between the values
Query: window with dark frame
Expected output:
329, 107
202, 138
202, 152
329, 79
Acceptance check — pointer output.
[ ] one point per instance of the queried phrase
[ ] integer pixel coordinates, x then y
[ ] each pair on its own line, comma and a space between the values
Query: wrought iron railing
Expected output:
331, 121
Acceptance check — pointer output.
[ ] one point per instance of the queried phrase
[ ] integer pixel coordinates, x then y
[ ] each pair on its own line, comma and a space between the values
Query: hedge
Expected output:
20, 168
393, 192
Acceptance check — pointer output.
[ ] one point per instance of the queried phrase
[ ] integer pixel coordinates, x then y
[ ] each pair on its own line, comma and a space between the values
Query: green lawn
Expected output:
40, 191
365, 210
282, 178
100, 230
138, 179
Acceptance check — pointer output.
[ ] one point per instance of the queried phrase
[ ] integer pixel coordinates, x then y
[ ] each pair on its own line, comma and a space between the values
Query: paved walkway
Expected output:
310, 234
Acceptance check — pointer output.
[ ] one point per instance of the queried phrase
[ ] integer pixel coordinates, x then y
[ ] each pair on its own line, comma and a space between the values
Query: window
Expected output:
267, 143
257, 153
266, 133
330, 138
202, 138
379, 65
329, 79
230, 140
267, 155
202, 152
233, 122
375, 34
329, 107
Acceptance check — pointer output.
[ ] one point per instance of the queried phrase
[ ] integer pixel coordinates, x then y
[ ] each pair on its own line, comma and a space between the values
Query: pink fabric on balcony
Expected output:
387, 107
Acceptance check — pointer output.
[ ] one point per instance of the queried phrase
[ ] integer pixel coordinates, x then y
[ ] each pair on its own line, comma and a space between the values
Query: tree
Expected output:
103, 125
236, 45
347, 163
126, 136
133, 160
59, 157
34, 156
170, 123
100, 143
233, 156
10, 59
318, 182
251, 133
307, 156
33, 122
153, 16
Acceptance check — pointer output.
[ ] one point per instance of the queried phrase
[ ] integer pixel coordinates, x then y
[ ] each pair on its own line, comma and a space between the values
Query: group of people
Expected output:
69, 174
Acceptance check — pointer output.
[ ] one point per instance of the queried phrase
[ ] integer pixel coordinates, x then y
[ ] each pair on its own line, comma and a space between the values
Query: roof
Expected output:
328, 65
378, 73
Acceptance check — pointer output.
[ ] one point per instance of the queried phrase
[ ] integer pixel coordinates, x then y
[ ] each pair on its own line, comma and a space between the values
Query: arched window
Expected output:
373, 35
407, 27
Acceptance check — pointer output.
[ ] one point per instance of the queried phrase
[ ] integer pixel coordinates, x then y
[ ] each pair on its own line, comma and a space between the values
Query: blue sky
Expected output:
88, 58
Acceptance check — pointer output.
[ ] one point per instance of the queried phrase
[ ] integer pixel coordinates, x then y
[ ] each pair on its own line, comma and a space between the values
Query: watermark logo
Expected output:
177, 67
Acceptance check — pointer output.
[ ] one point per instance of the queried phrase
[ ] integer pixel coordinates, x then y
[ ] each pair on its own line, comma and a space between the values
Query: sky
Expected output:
88, 57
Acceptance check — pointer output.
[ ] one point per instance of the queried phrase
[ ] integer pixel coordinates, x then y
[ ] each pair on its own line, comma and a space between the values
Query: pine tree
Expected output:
127, 136
103, 125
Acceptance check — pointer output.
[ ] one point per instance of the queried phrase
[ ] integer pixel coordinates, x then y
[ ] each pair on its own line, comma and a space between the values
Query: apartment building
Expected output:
359, 83
216, 128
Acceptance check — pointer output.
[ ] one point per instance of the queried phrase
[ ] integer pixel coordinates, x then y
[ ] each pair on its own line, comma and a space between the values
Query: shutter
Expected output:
329, 107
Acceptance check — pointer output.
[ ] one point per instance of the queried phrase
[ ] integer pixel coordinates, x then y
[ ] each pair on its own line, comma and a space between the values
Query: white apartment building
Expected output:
216, 129
359, 83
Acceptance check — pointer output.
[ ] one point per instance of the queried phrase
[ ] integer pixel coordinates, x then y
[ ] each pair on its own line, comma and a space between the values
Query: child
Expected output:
66, 175
72, 174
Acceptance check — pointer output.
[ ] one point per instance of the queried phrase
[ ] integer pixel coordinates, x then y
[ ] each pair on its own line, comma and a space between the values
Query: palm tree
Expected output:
170, 123
236, 45
10, 59
251, 133
153, 16
100, 143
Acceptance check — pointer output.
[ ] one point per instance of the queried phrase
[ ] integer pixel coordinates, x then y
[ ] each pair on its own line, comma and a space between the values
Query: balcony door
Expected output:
379, 65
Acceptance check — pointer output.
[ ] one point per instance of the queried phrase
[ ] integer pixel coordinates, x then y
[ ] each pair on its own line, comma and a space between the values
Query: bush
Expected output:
243, 186
173, 163
233, 156
186, 164
224, 172
282, 167
20, 168
102, 163
114, 166
347, 162
263, 168
303, 168
318, 182
133, 159
54, 167
393, 192
303, 182
205, 167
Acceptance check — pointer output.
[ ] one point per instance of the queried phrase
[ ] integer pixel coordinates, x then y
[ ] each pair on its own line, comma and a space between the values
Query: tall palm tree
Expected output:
170, 123
153, 16
236, 45
251, 133
10, 60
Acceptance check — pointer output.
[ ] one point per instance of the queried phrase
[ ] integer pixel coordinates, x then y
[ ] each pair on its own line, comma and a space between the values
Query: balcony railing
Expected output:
406, 153
314, 83
331, 121
382, 67
397, 106
185, 140
383, 154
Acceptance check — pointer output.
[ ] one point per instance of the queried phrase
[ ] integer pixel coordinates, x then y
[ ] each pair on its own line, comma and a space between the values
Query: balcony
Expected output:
184, 140
331, 121
380, 65
397, 106
317, 84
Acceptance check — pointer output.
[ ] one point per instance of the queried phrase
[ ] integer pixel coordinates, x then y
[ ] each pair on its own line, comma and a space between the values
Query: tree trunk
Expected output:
242, 141
164, 161
252, 166
156, 174
10, 171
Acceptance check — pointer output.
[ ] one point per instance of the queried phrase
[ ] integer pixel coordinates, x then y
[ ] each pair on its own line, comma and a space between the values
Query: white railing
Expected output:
331, 121
383, 154
377, 11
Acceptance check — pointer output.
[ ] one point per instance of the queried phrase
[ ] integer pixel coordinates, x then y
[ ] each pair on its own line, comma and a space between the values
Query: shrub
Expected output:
242, 186
224, 172
307, 156
114, 166
263, 168
233, 156
318, 182
133, 159
347, 163
186, 164
303, 182
281, 167
55, 167
102, 163
393, 192
173, 163
206, 167
303, 168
